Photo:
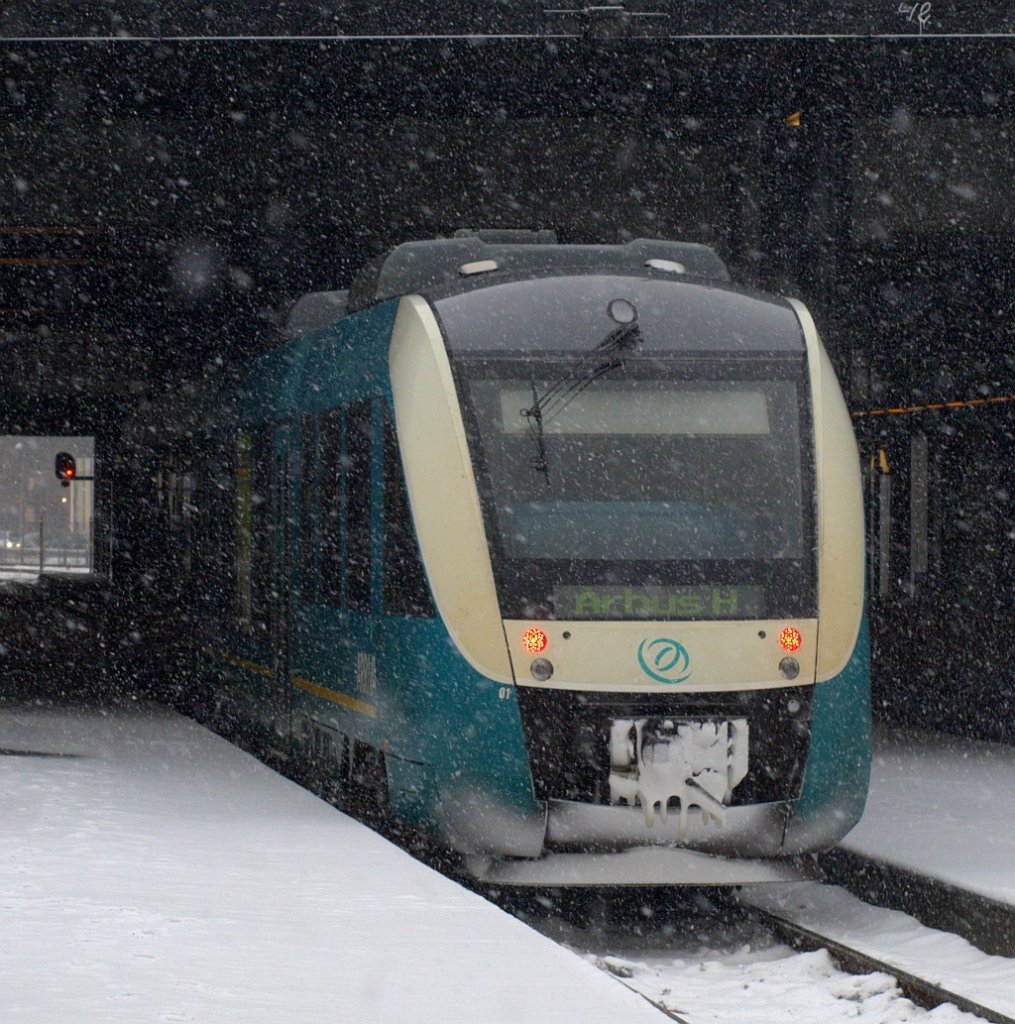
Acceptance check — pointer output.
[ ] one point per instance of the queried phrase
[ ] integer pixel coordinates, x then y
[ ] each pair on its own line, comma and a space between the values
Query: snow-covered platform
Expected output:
943, 808
150, 871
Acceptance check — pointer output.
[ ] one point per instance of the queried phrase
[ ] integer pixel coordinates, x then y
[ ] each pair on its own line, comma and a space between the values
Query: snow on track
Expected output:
704, 966
770, 986
894, 939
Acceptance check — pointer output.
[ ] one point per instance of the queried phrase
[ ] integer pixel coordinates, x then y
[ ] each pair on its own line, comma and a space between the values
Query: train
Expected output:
556, 551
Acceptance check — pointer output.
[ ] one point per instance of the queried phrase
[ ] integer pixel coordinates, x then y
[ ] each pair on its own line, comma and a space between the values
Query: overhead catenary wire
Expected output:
901, 410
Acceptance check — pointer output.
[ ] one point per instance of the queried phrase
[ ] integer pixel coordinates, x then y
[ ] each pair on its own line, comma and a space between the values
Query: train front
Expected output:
639, 506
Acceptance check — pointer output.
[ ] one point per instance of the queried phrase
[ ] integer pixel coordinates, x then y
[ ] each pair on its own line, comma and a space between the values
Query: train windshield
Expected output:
647, 469
659, 496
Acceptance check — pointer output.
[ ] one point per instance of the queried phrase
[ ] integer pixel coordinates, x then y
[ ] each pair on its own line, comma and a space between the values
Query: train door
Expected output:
281, 524
334, 654
362, 446
263, 545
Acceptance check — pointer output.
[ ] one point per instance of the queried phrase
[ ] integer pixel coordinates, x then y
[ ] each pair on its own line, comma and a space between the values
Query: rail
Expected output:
921, 991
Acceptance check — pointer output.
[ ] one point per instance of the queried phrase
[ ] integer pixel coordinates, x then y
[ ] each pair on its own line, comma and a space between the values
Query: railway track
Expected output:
932, 961
619, 974
921, 990
923, 986
677, 954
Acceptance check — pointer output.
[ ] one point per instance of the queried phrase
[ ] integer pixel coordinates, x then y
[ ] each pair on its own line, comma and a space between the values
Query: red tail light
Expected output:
790, 639
534, 640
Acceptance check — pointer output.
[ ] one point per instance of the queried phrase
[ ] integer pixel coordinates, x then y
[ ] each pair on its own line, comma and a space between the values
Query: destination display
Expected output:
694, 602
658, 412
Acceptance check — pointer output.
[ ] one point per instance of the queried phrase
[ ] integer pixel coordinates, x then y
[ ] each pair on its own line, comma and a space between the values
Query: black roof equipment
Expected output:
477, 258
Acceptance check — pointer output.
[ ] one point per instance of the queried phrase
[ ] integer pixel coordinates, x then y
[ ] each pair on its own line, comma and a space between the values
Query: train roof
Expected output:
476, 259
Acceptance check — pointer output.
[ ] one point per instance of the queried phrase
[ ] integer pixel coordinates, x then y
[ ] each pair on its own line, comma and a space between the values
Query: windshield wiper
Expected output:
535, 417
608, 355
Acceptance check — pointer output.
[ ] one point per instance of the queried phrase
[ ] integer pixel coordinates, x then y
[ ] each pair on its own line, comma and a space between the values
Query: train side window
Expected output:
308, 508
214, 511
359, 505
244, 528
331, 501
405, 587
175, 503
261, 532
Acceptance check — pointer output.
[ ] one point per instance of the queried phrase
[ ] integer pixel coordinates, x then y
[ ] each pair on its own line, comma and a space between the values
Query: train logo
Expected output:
664, 660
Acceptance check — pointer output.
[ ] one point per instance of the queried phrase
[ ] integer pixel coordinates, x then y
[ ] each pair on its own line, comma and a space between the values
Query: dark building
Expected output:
174, 180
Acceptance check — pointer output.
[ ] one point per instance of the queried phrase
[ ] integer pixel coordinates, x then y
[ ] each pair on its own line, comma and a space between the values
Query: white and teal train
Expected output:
559, 548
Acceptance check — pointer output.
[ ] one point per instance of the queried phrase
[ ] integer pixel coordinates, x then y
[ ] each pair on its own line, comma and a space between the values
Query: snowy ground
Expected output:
942, 807
18, 576
11, 575
151, 872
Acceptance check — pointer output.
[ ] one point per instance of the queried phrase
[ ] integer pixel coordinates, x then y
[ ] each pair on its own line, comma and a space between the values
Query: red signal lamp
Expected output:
66, 468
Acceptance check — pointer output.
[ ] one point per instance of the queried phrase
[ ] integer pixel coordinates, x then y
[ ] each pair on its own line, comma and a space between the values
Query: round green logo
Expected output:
664, 660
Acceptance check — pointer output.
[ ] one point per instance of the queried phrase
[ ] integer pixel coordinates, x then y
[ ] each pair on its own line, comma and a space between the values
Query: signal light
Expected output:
790, 639
534, 640
65, 467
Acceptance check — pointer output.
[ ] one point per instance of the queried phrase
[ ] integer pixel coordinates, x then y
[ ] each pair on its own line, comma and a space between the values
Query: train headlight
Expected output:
789, 668
541, 669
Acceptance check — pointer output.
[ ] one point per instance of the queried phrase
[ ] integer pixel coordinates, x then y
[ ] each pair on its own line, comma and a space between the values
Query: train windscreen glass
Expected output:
635, 479
642, 498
